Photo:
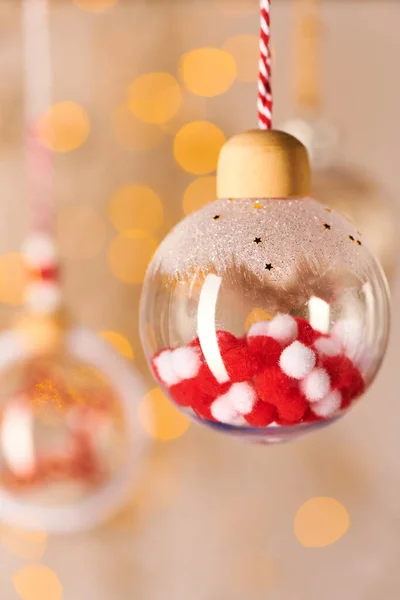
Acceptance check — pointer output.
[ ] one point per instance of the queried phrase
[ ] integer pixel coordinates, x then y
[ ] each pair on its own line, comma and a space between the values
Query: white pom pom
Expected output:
327, 347
297, 360
283, 328
222, 410
328, 406
42, 297
165, 370
243, 397
349, 332
260, 328
316, 385
186, 362
39, 251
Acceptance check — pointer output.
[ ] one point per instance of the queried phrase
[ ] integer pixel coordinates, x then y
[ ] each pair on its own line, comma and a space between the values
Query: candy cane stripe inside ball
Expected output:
297, 360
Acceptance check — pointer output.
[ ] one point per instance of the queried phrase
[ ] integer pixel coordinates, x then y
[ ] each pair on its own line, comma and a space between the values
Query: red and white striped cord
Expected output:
264, 104
42, 294
37, 90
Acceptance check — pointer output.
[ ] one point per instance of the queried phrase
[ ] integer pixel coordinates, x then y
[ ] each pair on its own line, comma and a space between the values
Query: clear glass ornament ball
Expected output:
264, 318
70, 447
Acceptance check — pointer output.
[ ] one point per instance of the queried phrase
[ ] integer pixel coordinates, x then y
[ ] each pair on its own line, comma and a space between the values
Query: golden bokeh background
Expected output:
145, 94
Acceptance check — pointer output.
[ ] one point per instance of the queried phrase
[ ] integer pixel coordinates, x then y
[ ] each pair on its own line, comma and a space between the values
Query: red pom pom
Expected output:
354, 389
273, 386
262, 414
345, 377
209, 385
195, 343
239, 362
226, 340
292, 411
188, 393
340, 370
307, 335
311, 417
203, 410
264, 350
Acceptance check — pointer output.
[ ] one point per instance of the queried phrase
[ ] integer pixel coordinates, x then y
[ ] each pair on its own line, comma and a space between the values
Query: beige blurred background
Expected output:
214, 519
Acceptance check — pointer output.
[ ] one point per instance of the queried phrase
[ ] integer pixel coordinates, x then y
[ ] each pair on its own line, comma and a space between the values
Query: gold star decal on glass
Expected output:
269, 267
257, 240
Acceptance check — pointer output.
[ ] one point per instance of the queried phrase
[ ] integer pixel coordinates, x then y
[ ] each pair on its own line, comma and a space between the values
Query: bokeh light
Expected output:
119, 342
257, 314
198, 193
25, 543
13, 278
160, 418
245, 50
81, 232
192, 108
154, 97
129, 254
136, 207
37, 582
64, 127
197, 146
320, 522
134, 134
95, 6
208, 72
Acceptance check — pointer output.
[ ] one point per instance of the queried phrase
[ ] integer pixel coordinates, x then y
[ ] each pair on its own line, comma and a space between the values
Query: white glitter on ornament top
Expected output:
269, 241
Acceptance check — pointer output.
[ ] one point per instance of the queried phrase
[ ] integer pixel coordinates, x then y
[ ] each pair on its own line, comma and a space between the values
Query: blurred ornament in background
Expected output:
341, 187
71, 447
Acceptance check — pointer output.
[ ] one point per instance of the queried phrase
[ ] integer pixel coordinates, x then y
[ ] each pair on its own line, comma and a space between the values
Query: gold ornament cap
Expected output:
263, 164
